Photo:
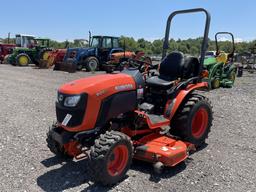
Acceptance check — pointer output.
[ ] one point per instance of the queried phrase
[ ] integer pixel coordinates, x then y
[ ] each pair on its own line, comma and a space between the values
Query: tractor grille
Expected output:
76, 112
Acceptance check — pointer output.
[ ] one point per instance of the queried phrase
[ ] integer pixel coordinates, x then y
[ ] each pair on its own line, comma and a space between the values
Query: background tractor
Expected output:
117, 57
56, 56
221, 68
29, 50
104, 52
5, 50
91, 58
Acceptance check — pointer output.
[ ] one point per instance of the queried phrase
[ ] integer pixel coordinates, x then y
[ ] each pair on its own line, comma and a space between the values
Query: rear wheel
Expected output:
44, 54
111, 158
193, 120
92, 63
23, 59
43, 57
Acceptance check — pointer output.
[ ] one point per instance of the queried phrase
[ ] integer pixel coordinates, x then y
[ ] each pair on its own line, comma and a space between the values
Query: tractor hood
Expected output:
21, 49
81, 52
100, 85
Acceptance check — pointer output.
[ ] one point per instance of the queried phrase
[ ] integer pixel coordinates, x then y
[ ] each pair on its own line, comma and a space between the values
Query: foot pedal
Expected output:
157, 121
156, 118
165, 130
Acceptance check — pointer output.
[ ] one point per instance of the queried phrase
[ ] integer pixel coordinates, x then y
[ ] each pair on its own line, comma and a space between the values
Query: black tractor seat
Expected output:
156, 81
174, 66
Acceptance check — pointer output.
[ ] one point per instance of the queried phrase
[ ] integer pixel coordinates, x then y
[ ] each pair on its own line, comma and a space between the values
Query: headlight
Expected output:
71, 101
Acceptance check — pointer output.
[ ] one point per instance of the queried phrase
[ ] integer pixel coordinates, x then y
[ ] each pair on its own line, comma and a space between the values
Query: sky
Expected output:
72, 19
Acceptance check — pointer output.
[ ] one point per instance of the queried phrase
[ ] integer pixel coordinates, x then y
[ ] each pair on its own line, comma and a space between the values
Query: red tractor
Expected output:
56, 57
113, 118
5, 50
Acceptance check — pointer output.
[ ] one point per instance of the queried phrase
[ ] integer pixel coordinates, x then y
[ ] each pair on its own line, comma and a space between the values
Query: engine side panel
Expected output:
115, 105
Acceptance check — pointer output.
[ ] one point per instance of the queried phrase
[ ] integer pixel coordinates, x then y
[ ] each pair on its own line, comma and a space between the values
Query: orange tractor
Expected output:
113, 118
117, 58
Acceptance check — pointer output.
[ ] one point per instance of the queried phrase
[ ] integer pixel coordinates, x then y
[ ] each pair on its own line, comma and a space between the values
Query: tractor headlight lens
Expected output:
72, 101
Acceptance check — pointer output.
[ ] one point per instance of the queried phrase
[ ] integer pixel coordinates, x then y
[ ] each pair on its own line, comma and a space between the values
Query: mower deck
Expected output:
161, 148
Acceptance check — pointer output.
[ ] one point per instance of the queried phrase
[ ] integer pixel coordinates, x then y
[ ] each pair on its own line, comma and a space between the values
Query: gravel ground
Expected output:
27, 109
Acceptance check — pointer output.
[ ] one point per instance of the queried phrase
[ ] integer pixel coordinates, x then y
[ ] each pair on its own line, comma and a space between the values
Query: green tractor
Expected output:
220, 65
29, 50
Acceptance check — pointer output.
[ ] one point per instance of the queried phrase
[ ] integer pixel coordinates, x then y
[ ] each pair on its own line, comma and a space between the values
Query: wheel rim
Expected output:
46, 55
216, 83
93, 65
200, 122
118, 160
23, 60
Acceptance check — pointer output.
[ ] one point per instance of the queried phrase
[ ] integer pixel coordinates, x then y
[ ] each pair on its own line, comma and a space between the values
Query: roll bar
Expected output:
206, 31
225, 33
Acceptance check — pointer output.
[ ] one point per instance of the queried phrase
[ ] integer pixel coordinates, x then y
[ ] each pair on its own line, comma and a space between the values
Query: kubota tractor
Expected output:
113, 118
221, 68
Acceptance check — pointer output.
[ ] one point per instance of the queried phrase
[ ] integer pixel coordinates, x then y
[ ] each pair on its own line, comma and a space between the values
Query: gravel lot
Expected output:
27, 98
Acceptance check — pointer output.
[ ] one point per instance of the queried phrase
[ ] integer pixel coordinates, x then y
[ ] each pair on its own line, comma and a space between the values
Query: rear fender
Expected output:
173, 105
215, 68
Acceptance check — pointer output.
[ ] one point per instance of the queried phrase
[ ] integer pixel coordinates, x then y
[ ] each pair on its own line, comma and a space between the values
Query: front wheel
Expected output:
193, 120
55, 147
111, 158
23, 59
92, 63
215, 83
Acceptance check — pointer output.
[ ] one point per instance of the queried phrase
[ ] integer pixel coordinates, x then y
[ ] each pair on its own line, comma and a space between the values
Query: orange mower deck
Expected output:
159, 148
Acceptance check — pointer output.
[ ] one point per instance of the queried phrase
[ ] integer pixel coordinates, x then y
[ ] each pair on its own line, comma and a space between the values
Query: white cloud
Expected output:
237, 40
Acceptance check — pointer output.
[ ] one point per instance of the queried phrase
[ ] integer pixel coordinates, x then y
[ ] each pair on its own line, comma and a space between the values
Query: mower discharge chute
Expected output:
221, 68
112, 118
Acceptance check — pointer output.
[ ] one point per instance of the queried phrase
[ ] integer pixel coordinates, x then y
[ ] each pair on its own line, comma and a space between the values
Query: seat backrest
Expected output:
190, 67
175, 66
171, 66
222, 58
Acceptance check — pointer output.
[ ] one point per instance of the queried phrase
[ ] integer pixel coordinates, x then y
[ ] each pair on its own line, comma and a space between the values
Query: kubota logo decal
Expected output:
123, 87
